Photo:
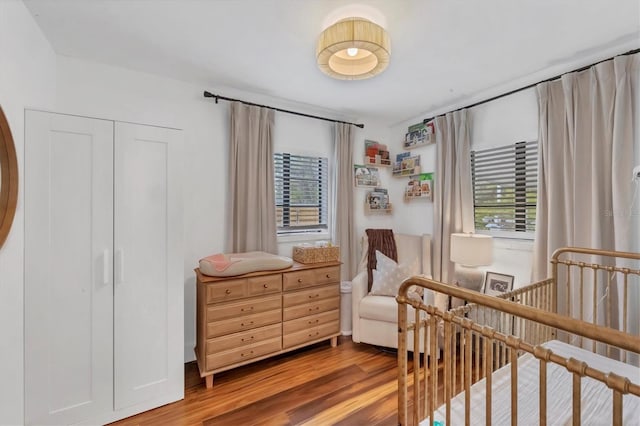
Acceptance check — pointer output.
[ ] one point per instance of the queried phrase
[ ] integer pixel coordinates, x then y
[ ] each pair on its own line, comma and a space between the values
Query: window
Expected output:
301, 193
505, 187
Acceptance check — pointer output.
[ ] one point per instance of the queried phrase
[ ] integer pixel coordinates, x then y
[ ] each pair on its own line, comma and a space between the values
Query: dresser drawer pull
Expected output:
314, 322
314, 334
314, 309
250, 308
227, 291
328, 276
265, 285
249, 323
250, 338
313, 296
246, 354
299, 280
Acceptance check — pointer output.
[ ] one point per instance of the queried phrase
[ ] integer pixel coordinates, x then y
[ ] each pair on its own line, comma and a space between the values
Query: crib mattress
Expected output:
596, 397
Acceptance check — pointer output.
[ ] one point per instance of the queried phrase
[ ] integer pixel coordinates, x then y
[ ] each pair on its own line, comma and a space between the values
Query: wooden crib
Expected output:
562, 350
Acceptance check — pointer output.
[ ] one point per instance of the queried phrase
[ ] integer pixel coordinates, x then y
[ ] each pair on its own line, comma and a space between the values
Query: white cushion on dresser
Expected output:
232, 264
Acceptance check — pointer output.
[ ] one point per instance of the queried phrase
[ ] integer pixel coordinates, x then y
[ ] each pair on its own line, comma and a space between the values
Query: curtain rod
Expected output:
631, 52
317, 117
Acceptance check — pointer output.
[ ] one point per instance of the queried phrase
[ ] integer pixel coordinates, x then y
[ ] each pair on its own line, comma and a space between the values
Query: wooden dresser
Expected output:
250, 317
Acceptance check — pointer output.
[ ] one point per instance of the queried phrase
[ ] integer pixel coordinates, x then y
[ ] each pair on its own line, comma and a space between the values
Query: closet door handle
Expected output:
120, 260
105, 267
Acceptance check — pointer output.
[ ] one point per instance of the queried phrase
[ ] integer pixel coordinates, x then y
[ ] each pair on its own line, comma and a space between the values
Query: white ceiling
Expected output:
445, 53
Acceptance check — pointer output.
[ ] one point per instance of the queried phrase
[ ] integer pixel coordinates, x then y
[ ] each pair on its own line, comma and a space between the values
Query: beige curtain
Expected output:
344, 234
453, 197
586, 160
251, 214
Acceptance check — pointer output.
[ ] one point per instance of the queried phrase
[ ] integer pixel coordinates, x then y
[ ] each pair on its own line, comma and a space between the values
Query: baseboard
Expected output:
189, 353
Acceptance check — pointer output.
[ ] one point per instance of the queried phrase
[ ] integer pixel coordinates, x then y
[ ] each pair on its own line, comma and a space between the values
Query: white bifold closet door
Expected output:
103, 269
147, 300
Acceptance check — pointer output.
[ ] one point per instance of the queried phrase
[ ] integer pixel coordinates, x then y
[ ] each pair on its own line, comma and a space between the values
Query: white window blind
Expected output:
505, 183
301, 193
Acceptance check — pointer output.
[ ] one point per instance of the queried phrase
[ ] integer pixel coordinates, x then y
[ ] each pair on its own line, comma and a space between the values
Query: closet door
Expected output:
149, 289
68, 292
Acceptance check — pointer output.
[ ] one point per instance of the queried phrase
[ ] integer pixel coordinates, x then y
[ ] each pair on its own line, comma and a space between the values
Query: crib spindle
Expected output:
617, 408
433, 365
577, 391
467, 375
426, 366
594, 308
447, 365
416, 365
513, 345
543, 392
487, 333
624, 307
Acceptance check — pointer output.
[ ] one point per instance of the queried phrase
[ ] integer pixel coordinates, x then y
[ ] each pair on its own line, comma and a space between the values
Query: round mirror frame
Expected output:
8, 178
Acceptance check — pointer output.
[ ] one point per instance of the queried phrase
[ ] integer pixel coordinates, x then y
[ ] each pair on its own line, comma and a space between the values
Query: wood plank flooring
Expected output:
351, 384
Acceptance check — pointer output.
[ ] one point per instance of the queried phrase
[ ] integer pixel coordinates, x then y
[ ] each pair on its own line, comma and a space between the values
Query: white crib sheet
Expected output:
596, 397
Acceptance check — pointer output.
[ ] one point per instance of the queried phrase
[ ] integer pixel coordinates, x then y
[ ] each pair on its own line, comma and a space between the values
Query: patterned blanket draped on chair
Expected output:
383, 241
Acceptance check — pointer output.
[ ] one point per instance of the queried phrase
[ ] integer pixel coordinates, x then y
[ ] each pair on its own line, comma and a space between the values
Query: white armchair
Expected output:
375, 318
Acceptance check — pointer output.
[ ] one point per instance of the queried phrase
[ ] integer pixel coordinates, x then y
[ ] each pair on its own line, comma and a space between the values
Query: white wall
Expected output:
97, 90
500, 122
27, 79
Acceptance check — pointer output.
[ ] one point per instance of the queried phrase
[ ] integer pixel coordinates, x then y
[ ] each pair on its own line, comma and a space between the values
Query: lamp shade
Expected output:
353, 49
472, 249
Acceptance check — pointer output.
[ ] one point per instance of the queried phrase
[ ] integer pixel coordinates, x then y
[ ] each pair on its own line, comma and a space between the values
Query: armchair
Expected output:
375, 318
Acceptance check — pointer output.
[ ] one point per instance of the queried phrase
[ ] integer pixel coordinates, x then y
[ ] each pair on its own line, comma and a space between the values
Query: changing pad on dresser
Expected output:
230, 264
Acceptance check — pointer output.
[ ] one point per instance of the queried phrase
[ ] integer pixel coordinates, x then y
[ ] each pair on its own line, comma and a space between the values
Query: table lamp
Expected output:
468, 251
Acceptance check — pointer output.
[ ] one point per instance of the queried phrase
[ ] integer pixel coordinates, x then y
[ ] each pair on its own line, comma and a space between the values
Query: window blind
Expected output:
301, 193
505, 183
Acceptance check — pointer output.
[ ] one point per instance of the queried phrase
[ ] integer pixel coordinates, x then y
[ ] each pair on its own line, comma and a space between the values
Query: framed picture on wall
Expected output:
495, 284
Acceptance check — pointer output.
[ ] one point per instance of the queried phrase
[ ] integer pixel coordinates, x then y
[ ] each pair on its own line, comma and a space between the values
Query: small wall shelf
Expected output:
377, 161
406, 165
418, 142
377, 201
419, 135
409, 197
376, 154
368, 210
366, 176
406, 172
419, 187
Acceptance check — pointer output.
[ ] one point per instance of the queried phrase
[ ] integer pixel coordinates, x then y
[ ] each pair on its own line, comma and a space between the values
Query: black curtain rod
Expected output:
317, 117
631, 52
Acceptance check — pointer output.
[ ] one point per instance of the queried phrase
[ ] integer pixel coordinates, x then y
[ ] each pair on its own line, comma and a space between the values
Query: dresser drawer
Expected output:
310, 321
327, 275
305, 296
267, 284
234, 356
311, 334
247, 322
298, 279
311, 308
244, 338
226, 290
243, 307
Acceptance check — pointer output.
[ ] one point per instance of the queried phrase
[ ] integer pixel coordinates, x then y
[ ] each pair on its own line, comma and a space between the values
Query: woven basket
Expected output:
316, 254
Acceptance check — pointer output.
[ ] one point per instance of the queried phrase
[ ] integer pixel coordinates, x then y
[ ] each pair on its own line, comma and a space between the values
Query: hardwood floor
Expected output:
351, 384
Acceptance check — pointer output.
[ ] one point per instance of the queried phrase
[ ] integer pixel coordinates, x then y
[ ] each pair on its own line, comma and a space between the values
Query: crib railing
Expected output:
488, 333
599, 287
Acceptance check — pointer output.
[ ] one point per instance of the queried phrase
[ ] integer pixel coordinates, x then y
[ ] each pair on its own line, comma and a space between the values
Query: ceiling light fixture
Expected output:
353, 49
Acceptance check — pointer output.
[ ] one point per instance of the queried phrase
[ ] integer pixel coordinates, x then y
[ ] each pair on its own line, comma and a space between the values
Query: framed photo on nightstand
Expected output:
495, 284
